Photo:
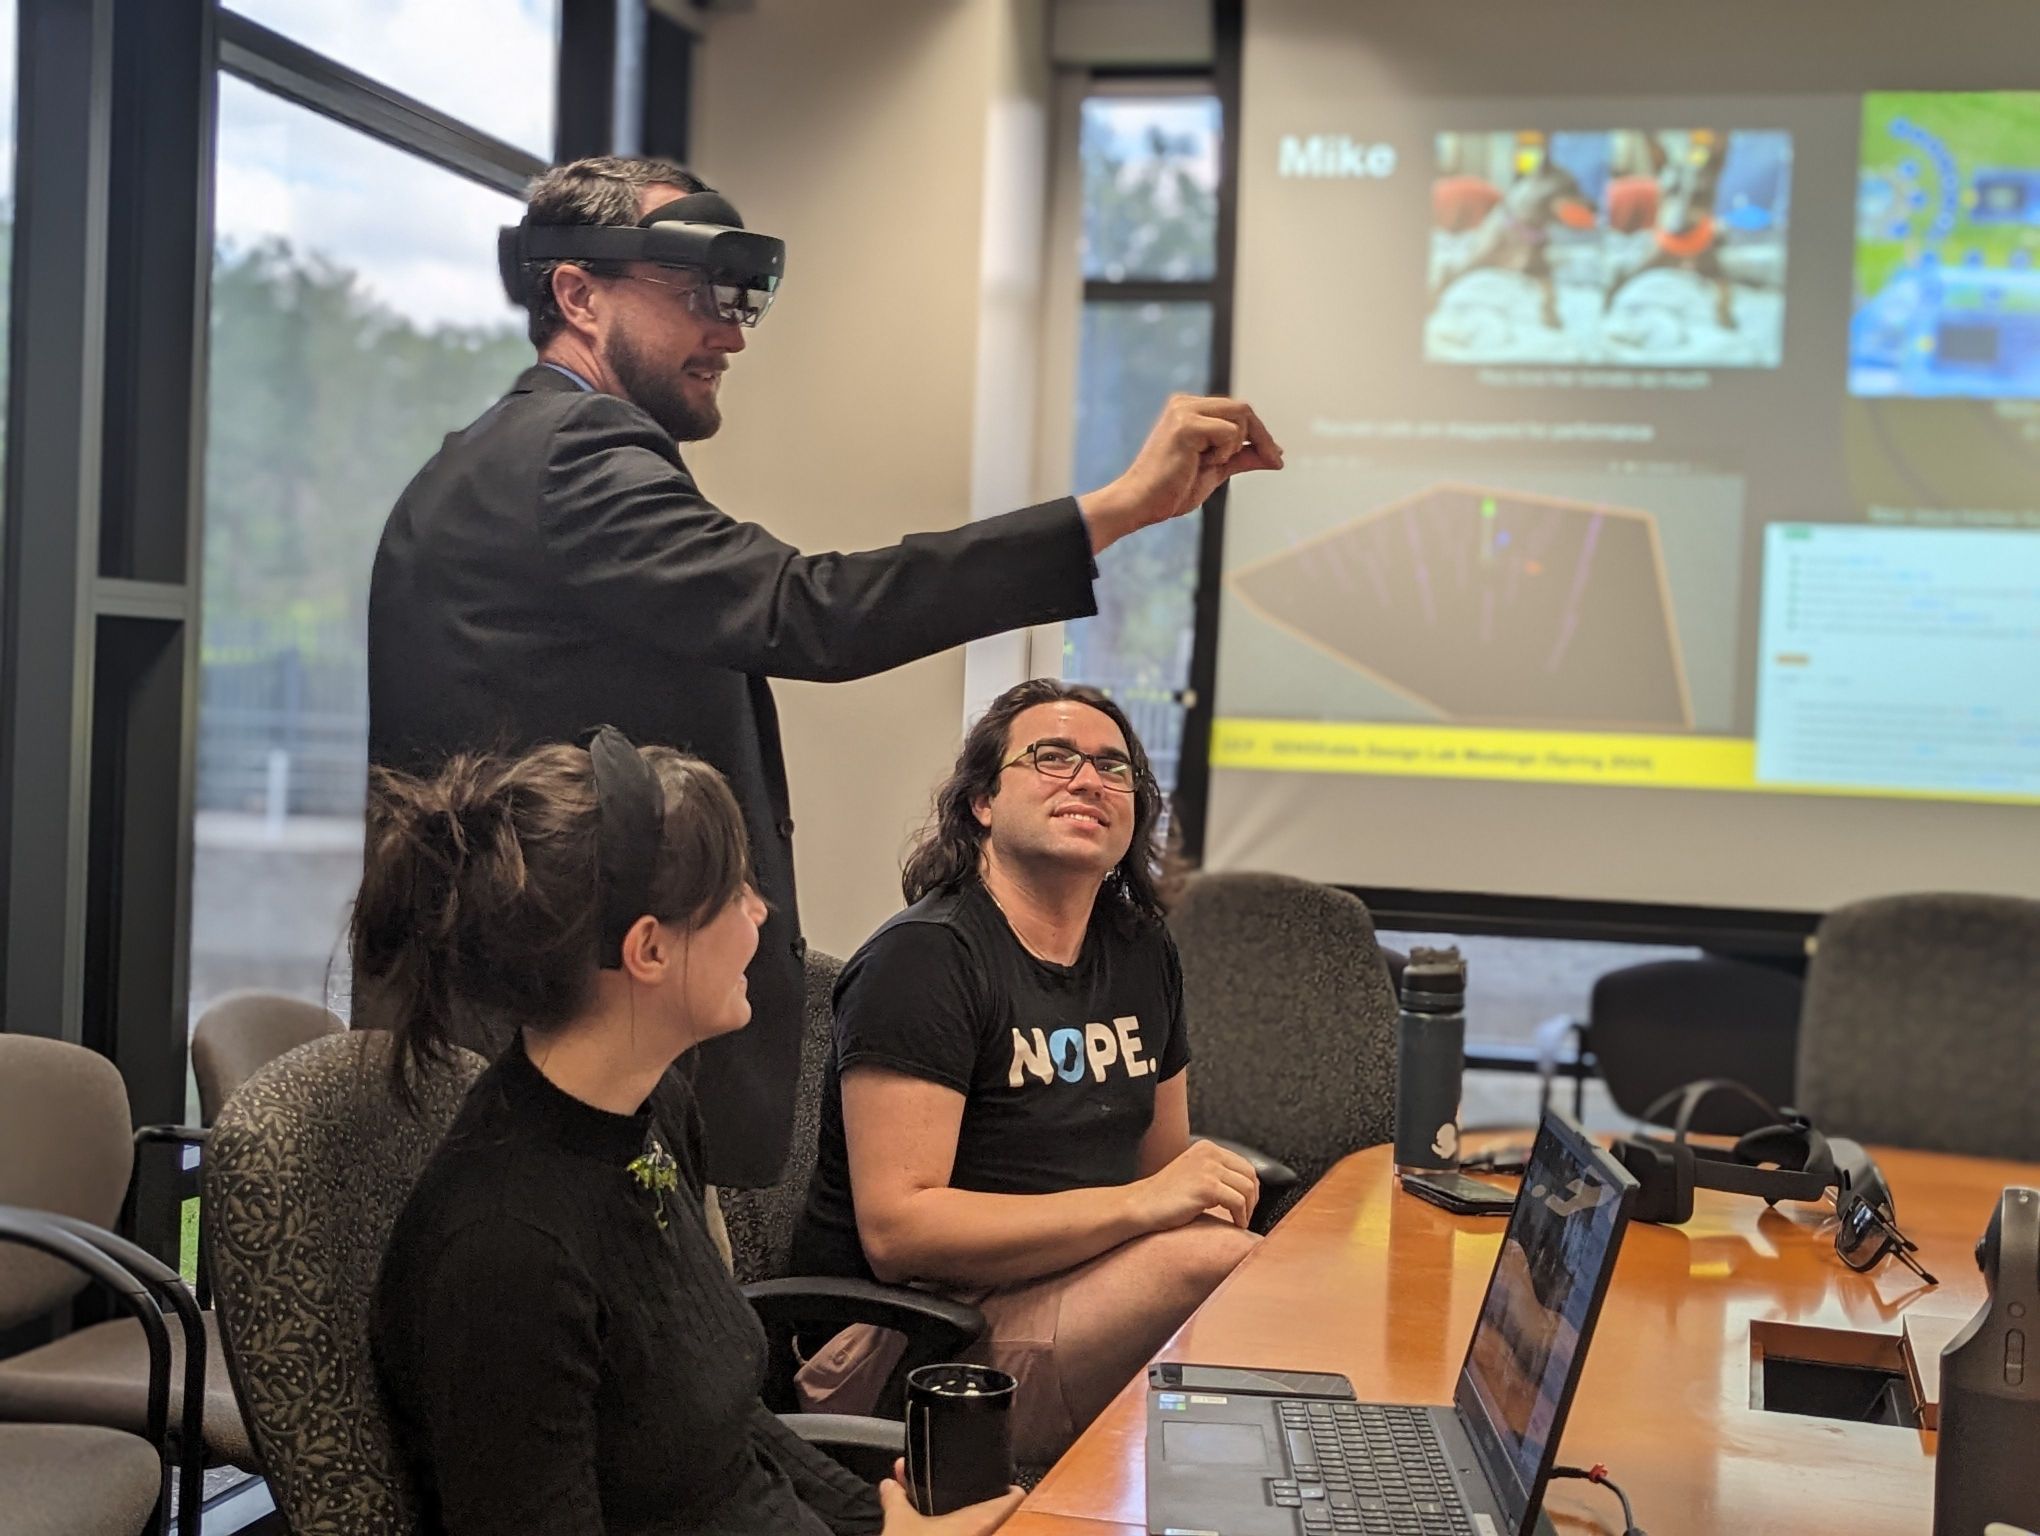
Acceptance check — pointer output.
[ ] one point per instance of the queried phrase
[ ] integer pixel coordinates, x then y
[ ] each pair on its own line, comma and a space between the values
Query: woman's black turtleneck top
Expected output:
554, 1359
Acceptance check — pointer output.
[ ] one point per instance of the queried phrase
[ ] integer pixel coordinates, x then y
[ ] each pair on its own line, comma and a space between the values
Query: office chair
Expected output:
1292, 1022
67, 1149
243, 1032
1922, 1024
1654, 1027
305, 1173
85, 1480
813, 1307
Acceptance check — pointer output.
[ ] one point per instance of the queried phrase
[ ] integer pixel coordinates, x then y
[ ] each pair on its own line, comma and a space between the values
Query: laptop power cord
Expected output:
1599, 1474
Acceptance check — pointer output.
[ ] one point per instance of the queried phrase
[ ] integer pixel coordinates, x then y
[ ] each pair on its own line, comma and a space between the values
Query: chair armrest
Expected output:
936, 1327
1277, 1177
183, 1135
828, 1301
165, 1284
864, 1447
56, 1236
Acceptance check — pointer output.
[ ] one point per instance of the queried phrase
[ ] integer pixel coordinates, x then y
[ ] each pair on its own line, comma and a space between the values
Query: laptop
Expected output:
1272, 1453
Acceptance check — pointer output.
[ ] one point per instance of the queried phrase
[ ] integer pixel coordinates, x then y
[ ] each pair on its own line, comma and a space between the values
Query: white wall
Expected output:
900, 150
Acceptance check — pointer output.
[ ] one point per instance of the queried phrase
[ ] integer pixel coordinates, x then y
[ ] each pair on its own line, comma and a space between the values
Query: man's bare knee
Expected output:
1216, 1250
1191, 1261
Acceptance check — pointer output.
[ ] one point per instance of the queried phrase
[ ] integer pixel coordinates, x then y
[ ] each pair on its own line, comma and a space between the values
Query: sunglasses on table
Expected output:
1866, 1231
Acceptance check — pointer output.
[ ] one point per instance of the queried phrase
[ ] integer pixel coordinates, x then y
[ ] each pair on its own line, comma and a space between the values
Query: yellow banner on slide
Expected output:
1474, 752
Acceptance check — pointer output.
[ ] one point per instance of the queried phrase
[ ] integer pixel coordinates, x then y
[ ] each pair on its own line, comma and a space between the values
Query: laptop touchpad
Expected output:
1216, 1445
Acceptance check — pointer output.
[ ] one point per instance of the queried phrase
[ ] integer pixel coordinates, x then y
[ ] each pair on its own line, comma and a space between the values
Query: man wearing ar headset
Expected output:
555, 566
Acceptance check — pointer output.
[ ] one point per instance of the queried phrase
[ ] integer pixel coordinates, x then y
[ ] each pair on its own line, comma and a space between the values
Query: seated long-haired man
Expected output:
1007, 1117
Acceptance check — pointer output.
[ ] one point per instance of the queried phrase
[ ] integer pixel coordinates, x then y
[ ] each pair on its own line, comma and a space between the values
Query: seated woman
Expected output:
1008, 1115
559, 1345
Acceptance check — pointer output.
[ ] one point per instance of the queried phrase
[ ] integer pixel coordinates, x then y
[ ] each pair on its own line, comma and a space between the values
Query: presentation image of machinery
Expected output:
1484, 604
1948, 247
1644, 247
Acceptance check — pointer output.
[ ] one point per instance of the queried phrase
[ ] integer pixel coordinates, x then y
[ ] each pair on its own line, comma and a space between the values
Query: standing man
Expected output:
554, 566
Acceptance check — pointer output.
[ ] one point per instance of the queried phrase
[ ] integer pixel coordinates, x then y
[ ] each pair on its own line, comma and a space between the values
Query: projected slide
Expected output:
1900, 659
1947, 226
1482, 604
1660, 519
1656, 247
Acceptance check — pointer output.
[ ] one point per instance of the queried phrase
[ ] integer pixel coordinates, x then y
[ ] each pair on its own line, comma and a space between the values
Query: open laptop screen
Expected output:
1542, 1299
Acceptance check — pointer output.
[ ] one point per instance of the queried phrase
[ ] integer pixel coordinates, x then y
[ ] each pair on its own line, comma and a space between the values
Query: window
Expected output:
487, 62
1150, 218
1150, 168
356, 319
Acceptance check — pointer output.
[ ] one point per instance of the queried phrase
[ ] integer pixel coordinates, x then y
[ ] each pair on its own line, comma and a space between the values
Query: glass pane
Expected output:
1150, 186
356, 319
489, 63
1132, 358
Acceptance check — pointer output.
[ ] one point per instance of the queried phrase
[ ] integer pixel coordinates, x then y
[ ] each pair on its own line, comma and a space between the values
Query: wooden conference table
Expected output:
1362, 1279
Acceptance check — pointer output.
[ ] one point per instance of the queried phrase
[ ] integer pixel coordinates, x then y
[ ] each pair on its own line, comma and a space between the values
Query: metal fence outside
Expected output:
282, 727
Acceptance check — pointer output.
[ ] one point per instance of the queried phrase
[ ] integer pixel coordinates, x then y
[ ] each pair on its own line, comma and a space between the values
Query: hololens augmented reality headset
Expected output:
701, 232
1786, 1159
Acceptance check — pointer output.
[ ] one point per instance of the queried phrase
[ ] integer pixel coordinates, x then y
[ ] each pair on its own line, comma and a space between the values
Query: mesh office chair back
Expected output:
1292, 1021
1922, 1024
306, 1172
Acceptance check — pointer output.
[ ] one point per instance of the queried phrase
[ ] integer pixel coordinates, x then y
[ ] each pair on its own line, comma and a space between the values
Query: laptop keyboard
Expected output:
1372, 1468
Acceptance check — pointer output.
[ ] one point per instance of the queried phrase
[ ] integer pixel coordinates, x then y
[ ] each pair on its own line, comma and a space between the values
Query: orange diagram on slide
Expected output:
1490, 605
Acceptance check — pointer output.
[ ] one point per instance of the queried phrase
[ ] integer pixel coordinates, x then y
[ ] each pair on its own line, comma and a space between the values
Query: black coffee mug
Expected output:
959, 1436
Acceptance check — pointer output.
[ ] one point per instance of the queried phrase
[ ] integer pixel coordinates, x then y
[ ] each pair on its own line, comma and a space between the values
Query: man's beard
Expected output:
659, 391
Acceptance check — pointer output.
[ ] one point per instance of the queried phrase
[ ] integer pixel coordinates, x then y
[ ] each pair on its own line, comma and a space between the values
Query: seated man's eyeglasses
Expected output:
1054, 760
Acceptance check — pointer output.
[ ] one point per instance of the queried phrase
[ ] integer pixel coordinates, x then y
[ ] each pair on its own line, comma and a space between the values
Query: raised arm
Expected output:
624, 524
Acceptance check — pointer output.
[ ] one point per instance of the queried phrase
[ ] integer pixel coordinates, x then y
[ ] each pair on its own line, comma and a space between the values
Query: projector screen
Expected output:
1661, 394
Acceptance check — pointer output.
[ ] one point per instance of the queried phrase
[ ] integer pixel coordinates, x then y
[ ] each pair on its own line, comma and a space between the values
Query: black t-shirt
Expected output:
1057, 1064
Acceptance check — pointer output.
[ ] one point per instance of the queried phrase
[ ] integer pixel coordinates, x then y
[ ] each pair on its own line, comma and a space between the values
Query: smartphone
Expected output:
1459, 1194
1172, 1376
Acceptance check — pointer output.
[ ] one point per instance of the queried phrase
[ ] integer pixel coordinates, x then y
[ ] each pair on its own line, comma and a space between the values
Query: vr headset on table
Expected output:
1785, 1159
701, 232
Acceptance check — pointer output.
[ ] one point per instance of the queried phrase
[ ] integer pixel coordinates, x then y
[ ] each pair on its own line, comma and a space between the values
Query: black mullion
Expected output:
1750, 932
585, 79
1098, 290
1193, 767
669, 88
310, 79
47, 545
1191, 76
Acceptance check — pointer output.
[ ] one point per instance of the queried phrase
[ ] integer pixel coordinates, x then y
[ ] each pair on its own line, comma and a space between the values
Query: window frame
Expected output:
101, 542
1216, 293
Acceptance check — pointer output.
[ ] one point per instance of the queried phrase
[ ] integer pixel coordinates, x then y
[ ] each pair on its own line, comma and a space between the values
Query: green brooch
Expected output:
656, 1171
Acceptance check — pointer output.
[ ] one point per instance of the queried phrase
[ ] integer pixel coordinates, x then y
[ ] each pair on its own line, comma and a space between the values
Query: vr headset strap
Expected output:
1715, 1168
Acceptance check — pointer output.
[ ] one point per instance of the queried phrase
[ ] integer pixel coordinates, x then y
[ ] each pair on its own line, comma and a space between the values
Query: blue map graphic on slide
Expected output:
1948, 247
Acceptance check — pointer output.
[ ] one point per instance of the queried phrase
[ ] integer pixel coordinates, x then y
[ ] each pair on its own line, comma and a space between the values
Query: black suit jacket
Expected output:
554, 567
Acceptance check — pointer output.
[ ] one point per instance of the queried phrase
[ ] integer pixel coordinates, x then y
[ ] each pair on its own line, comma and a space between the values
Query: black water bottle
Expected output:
1430, 1058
